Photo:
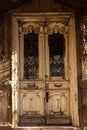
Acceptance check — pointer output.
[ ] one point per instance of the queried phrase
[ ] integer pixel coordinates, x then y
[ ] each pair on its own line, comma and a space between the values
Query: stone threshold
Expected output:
42, 128
48, 128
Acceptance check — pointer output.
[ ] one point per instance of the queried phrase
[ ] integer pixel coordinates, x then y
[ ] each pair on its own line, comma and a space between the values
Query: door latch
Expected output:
47, 96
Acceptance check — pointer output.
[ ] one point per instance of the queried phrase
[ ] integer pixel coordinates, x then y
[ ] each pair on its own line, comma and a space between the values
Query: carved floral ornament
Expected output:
39, 28
57, 28
29, 28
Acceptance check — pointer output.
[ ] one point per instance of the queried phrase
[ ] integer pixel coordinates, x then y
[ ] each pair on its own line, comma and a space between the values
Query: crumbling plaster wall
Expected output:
5, 69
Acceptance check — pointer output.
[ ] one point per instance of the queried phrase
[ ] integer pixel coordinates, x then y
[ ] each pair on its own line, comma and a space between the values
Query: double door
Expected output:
44, 86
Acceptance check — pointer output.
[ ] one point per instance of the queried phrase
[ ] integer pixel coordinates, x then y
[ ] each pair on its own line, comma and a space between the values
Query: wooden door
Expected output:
56, 76
44, 86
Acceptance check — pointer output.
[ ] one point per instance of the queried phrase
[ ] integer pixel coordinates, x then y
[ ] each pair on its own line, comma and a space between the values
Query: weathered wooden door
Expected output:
44, 85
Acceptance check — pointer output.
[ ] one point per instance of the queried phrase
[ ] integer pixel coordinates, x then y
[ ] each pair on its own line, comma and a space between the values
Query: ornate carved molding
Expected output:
57, 28
29, 87
28, 27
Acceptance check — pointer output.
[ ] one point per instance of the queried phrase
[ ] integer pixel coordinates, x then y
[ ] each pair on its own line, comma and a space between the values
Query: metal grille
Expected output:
31, 66
56, 48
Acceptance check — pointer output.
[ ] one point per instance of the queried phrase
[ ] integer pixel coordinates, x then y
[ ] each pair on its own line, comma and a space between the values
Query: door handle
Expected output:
47, 96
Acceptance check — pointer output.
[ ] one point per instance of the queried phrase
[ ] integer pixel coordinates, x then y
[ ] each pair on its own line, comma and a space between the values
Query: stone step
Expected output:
47, 128
41, 128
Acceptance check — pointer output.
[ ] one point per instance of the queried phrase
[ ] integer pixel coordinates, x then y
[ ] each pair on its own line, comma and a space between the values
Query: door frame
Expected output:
72, 63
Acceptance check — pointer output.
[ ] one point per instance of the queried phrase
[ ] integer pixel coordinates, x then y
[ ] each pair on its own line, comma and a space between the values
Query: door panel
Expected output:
31, 105
57, 103
60, 106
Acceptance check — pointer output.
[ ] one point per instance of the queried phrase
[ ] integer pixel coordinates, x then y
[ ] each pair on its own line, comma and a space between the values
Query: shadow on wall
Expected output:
5, 91
4, 71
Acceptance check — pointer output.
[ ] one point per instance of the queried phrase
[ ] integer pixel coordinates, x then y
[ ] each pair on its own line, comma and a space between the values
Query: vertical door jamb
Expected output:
15, 72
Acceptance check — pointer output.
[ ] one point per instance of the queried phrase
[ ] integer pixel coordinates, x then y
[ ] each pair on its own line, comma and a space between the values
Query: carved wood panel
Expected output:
40, 105
58, 103
58, 107
32, 103
31, 107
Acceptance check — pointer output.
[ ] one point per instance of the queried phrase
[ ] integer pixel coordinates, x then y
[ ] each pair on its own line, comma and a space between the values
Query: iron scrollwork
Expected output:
56, 45
31, 69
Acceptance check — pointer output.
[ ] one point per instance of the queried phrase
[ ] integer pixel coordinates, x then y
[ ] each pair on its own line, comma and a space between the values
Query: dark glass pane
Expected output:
56, 52
31, 56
